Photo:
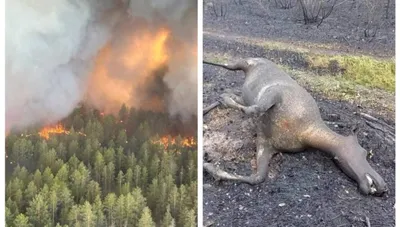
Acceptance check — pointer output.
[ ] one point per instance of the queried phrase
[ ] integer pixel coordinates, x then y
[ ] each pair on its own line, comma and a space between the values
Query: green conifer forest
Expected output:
137, 168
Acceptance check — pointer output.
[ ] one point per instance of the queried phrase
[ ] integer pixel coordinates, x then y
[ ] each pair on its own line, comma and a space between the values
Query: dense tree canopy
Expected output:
101, 171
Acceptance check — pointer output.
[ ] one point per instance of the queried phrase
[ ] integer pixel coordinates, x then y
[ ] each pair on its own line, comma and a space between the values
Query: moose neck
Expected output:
323, 138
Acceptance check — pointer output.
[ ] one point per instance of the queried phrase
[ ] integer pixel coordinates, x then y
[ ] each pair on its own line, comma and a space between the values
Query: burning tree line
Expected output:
95, 169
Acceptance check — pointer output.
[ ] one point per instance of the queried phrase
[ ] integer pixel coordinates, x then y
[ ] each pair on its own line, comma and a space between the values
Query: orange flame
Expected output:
120, 71
58, 129
189, 142
167, 141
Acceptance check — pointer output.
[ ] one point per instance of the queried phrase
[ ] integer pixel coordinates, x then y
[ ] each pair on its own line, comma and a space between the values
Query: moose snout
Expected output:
372, 183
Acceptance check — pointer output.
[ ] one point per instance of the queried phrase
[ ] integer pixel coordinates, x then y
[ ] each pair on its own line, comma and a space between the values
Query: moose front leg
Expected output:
264, 155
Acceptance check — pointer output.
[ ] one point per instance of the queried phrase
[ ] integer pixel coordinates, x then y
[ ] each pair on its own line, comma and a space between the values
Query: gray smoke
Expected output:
51, 46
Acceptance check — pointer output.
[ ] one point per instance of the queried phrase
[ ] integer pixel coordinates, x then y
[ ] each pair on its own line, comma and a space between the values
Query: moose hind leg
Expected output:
232, 100
264, 155
228, 100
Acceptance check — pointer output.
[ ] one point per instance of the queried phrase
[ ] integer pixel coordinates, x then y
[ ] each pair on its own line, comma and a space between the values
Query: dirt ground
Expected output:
303, 189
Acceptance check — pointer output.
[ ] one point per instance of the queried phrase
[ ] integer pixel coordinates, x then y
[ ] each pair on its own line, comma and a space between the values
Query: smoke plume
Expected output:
105, 53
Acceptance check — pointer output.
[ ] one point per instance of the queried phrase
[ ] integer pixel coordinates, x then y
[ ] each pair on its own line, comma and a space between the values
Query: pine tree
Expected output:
144, 178
137, 176
73, 216
66, 201
37, 179
139, 203
21, 221
73, 148
9, 216
123, 113
154, 167
119, 181
109, 156
22, 174
167, 219
63, 173
12, 207
78, 122
47, 159
88, 217
78, 182
145, 219
53, 200
173, 200
30, 191
48, 176
109, 127
98, 212
92, 191
152, 194
188, 218
129, 178
18, 199
21, 151
98, 166
37, 211
109, 206
120, 211
122, 139
87, 152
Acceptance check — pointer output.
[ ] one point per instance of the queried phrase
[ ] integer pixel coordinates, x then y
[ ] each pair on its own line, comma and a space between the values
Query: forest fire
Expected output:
90, 84
167, 141
122, 70
57, 129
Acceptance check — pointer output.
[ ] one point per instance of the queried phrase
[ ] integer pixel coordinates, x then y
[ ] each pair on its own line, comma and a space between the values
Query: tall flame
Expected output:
147, 47
119, 72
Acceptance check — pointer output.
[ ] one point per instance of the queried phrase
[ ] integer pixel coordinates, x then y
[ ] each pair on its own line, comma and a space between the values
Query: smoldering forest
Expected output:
100, 53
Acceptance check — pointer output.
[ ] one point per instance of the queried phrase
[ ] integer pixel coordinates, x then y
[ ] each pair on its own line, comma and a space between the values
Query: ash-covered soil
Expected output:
344, 30
303, 189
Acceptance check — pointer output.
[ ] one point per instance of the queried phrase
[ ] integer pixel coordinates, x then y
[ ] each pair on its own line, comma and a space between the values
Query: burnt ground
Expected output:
303, 189
343, 30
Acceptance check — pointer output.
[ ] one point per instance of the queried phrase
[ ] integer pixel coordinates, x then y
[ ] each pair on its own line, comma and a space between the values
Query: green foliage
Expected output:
361, 70
113, 176
21, 221
146, 220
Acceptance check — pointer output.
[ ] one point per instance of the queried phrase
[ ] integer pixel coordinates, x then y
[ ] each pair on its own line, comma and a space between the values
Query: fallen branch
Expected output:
339, 124
367, 221
211, 107
390, 140
335, 116
381, 129
371, 118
